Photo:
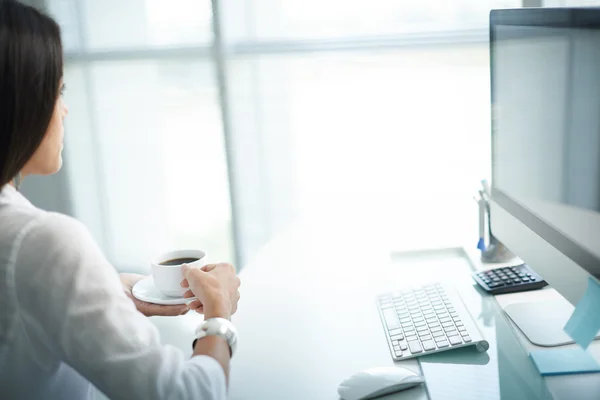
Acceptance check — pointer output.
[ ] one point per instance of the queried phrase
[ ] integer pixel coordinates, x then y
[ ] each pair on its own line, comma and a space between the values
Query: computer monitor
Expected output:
545, 81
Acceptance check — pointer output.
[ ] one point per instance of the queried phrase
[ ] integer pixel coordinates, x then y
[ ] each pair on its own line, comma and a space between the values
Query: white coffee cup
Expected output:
167, 278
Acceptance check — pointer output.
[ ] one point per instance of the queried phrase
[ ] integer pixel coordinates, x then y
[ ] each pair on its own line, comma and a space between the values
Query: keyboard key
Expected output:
446, 324
438, 334
526, 279
458, 323
398, 353
442, 344
439, 338
444, 320
467, 339
422, 329
395, 332
397, 337
426, 337
454, 340
449, 329
461, 328
429, 345
396, 348
415, 346
403, 345
431, 320
391, 319
516, 280
464, 333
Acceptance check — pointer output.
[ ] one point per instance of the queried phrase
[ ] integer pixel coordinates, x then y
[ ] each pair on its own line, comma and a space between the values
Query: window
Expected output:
378, 108
144, 139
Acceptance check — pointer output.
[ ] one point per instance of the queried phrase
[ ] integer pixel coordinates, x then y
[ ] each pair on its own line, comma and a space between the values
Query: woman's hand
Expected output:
149, 309
215, 287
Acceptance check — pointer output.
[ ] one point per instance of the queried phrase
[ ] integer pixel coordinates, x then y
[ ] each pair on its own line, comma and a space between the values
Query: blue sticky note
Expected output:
564, 361
584, 324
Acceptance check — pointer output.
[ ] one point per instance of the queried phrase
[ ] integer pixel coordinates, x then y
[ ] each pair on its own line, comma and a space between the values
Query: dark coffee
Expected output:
179, 261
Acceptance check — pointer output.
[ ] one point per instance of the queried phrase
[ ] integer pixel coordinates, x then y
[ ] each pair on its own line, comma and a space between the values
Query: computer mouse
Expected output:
376, 382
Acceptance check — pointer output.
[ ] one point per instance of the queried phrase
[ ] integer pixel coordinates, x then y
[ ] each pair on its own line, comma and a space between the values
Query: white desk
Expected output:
307, 319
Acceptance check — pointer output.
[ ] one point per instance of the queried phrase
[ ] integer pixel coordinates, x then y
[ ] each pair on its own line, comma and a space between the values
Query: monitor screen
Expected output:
546, 125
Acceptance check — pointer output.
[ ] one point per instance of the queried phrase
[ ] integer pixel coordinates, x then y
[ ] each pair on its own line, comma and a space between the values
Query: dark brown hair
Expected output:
31, 67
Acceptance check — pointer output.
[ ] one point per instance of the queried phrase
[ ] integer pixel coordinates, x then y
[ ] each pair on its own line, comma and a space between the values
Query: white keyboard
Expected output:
426, 320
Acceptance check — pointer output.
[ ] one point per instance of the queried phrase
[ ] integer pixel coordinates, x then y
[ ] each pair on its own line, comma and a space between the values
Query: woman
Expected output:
67, 319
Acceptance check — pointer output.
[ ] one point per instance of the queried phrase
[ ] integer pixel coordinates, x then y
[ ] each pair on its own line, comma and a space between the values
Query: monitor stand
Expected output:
542, 322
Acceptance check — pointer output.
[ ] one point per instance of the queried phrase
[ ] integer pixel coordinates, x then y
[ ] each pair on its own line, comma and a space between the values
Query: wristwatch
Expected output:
218, 327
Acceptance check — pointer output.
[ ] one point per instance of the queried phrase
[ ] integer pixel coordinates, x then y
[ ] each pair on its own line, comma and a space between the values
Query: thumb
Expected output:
186, 270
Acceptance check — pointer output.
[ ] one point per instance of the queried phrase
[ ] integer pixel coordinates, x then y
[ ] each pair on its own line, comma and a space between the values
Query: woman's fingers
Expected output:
188, 294
195, 305
184, 283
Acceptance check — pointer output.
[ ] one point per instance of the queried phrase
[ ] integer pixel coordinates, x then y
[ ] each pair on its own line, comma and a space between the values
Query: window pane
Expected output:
158, 144
400, 135
115, 24
315, 19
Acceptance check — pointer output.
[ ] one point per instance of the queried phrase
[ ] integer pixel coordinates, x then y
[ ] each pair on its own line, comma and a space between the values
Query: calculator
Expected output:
509, 279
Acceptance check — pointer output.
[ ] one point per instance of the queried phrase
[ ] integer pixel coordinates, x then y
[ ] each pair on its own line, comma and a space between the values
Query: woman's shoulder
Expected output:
42, 229
52, 230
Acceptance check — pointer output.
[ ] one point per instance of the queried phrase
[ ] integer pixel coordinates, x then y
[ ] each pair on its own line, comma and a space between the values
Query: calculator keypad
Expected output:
509, 279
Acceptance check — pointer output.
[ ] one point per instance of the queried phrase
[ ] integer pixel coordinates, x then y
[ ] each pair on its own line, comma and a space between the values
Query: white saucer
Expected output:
146, 291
